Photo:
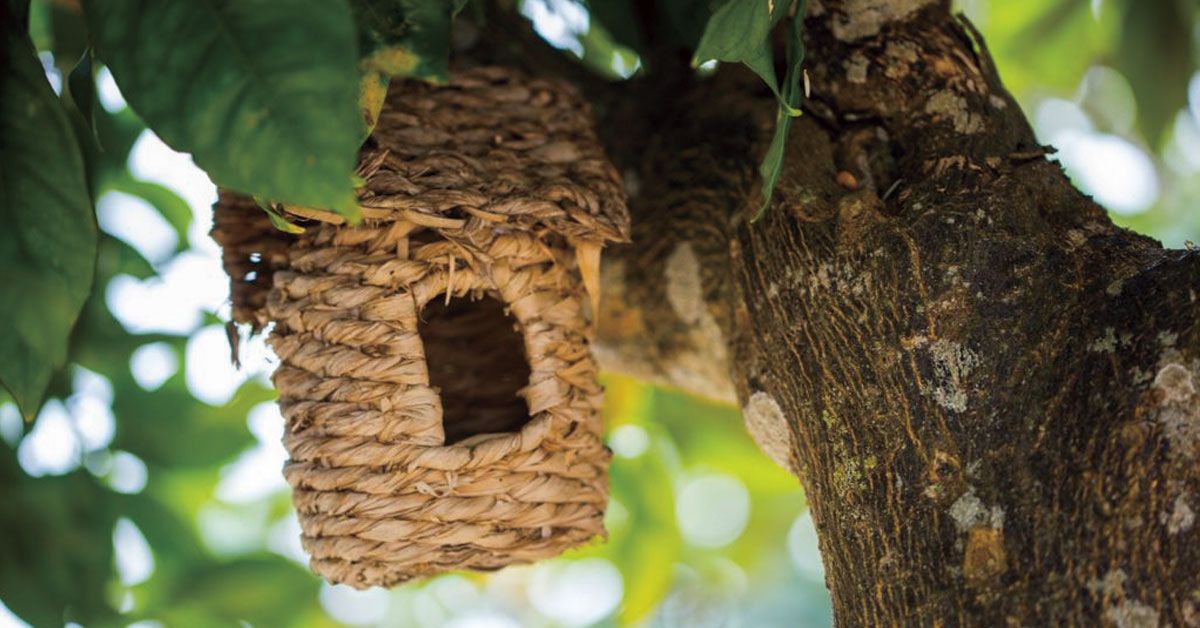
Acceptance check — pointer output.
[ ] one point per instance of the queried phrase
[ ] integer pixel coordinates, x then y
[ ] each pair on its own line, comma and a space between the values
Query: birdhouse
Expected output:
442, 407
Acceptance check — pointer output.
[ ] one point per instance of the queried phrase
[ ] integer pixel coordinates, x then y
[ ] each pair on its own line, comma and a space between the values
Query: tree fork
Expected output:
989, 392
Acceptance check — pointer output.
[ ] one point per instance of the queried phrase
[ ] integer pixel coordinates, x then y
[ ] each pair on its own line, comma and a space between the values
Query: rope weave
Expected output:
486, 196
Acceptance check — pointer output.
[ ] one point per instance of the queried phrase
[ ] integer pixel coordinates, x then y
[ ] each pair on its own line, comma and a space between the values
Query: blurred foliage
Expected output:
1150, 51
218, 561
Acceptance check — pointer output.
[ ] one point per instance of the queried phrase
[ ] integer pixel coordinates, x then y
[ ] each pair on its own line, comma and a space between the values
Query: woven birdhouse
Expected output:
442, 405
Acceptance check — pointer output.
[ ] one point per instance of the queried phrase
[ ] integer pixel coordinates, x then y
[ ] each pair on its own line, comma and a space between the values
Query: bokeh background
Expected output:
148, 492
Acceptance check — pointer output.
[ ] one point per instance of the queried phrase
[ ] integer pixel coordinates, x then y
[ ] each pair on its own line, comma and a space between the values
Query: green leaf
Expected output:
400, 38
764, 66
740, 31
772, 163
711, 435
38, 17
56, 540
619, 18
277, 219
793, 94
116, 133
177, 547
737, 31
81, 87
372, 91
170, 205
48, 244
406, 37
262, 589
68, 34
605, 56
1155, 54
117, 257
79, 99
793, 89
261, 92
213, 435
1041, 45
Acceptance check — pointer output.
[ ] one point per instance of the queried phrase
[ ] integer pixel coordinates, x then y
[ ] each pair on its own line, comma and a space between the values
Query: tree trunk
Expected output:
988, 391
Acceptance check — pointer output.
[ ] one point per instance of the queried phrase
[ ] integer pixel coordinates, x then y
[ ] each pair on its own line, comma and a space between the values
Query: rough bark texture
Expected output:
989, 392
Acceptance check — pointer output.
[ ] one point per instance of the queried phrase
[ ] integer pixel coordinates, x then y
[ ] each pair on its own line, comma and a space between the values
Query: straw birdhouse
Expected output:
441, 402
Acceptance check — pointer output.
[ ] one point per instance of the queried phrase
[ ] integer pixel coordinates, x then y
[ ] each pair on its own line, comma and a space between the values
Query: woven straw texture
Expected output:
442, 406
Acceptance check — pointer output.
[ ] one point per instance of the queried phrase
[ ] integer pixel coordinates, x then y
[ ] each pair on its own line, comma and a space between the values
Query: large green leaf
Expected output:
261, 92
48, 243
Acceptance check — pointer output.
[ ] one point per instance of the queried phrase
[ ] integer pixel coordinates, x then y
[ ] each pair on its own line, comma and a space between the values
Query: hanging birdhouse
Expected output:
442, 405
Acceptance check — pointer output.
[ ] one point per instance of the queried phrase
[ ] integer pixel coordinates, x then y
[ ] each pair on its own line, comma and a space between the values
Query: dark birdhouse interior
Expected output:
477, 361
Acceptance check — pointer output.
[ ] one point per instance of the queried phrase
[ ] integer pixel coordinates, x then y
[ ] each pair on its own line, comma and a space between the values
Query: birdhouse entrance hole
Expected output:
476, 358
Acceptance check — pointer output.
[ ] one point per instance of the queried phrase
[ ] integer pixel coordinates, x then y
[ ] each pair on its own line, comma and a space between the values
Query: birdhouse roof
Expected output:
492, 149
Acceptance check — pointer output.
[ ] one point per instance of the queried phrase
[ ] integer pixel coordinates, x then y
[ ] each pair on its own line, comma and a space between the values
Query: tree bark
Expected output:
988, 391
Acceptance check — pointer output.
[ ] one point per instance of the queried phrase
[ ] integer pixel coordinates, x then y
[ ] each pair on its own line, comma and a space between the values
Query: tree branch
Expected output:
987, 389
